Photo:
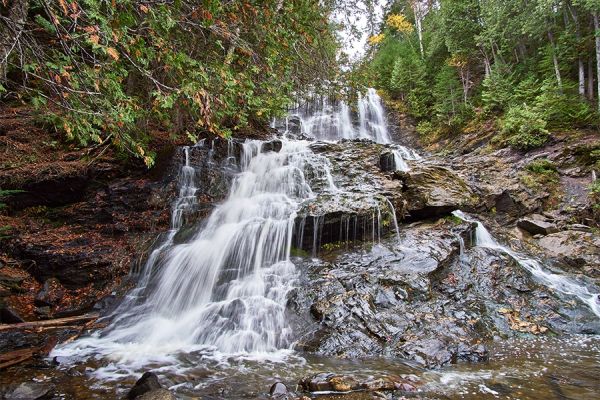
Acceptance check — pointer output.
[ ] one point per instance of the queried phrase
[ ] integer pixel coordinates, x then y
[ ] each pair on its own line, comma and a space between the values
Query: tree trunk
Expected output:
597, 34
581, 68
419, 23
580, 64
590, 80
555, 61
11, 28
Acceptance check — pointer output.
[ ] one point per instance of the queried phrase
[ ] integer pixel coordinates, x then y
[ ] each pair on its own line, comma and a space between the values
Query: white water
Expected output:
226, 289
401, 155
558, 282
372, 119
326, 120
332, 121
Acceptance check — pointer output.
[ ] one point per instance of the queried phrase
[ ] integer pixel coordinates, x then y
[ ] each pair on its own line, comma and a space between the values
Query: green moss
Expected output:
296, 252
542, 166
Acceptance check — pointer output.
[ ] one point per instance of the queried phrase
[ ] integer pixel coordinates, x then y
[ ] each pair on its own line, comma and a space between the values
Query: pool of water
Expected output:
527, 368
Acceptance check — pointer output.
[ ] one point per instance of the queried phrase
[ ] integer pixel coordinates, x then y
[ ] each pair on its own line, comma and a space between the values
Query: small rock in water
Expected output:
159, 394
30, 391
147, 383
278, 391
326, 382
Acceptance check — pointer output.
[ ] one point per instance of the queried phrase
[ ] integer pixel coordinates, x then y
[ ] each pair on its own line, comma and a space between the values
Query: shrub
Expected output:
524, 128
542, 166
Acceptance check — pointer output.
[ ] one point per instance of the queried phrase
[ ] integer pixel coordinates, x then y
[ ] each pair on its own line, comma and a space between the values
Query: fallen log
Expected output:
18, 356
50, 322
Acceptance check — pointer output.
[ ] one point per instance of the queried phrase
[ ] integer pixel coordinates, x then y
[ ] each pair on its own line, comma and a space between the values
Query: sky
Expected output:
355, 46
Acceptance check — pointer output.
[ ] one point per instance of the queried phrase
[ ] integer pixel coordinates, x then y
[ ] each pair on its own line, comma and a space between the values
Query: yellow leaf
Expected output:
373, 40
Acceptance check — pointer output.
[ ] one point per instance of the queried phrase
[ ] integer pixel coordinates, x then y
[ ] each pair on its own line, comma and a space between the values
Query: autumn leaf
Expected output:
94, 39
113, 53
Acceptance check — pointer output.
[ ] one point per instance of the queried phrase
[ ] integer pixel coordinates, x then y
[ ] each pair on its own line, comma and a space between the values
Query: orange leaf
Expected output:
94, 39
113, 53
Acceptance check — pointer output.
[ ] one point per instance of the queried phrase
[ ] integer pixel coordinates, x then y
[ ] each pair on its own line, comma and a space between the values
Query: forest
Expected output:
530, 66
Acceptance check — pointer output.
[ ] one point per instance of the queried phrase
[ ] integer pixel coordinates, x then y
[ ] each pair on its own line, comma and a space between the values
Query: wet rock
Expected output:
537, 225
278, 391
159, 394
50, 295
31, 391
328, 382
147, 383
273, 145
387, 162
432, 191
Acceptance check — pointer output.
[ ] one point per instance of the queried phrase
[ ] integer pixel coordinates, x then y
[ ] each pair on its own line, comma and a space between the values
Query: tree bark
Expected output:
419, 23
11, 28
597, 34
590, 79
580, 63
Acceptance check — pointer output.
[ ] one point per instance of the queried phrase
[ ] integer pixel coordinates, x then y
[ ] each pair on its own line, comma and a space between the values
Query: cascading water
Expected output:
226, 289
326, 119
373, 124
558, 282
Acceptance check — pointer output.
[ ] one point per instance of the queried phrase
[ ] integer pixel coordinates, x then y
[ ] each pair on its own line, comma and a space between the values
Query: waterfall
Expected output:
226, 289
373, 124
558, 282
326, 119
401, 155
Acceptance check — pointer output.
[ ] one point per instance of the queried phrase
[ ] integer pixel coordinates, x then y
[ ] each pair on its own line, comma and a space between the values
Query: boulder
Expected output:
146, 384
431, 191
537, 225
278, 391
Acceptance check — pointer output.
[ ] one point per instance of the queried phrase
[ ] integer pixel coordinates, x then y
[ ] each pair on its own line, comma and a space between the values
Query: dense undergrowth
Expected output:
103, 71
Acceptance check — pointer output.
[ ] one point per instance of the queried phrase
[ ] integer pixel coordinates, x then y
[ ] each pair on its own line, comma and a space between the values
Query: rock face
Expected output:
577, 249
537, 225
423, 300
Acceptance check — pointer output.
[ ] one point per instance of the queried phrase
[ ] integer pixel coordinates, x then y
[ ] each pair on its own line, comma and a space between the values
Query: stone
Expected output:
537, 225
30, 391
387, 162
278, 391
432, 191
147, 383
158, 394
273, 145
328, 382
